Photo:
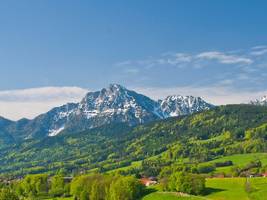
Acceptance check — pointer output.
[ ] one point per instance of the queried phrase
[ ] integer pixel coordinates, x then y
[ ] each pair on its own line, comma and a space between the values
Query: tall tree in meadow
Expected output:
57, 186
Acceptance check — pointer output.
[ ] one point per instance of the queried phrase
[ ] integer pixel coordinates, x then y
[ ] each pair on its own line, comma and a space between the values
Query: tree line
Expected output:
83, 187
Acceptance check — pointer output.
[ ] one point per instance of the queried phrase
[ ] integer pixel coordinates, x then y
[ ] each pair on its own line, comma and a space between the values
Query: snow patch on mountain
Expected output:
54, 132
262, 101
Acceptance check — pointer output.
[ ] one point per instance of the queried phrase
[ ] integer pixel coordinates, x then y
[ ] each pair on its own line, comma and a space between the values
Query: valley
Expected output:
133, 100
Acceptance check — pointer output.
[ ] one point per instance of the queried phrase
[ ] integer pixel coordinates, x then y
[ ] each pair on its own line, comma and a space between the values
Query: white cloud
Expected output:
225, 82
123, 63
175, 58
132, 70
259, 52
191, 60
224, 58
16, 104
259, 47
166, 59
218, 95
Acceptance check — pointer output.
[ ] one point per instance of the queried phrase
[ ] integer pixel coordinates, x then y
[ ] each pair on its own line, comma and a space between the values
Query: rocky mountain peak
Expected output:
262, 101
176, 105
113, 104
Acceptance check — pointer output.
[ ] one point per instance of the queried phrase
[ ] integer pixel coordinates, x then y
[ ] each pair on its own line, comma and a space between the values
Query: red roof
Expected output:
144, 181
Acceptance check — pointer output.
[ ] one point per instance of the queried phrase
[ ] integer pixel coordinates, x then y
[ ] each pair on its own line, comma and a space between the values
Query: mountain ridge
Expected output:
113, 104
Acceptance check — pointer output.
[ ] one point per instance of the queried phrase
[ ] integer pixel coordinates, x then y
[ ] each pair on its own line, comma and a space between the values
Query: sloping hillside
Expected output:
200, 137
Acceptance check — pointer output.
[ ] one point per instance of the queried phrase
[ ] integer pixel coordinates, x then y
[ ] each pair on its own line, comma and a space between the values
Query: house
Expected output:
148, 181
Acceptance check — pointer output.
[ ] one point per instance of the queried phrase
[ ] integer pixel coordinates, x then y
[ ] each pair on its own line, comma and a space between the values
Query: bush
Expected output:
99, 187
34, 185
224, 164
7, 194
187, 183
126, 188
205, 168
57, 186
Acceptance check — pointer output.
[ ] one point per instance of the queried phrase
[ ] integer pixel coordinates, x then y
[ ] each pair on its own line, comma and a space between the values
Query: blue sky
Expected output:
213, 49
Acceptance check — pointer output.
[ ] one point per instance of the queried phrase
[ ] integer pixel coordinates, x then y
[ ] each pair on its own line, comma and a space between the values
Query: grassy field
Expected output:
240, 160
169, 196
226, 189
135, 164
234, 189
259, 189
222, 189
243, 159
237, 159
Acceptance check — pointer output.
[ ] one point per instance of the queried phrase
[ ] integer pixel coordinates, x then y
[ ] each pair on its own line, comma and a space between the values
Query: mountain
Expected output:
262, 101
114, 104
5, 137
4, 123
117, 104
177, 105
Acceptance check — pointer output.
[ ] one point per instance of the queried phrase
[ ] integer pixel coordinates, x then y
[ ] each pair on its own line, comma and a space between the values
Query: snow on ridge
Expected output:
122, 105
264, 98
54, 132
176, 105
261, 101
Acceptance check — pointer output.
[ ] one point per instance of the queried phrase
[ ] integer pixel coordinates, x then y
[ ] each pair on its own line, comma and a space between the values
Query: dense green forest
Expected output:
201, 137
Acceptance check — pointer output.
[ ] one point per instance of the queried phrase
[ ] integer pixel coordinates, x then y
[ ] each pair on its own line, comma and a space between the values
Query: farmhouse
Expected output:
148, 181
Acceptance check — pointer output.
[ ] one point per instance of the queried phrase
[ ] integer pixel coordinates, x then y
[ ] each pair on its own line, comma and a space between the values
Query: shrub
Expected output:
224, 164
205, 168
187, 183
7, 194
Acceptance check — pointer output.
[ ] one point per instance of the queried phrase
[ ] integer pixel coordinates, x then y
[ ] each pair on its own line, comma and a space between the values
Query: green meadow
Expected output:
237, 159
222, 189
169, 196
234, 188
240, 160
